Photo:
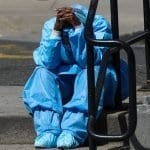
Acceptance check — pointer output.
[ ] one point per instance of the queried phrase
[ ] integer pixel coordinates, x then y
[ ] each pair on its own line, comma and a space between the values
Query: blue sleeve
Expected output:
48, 53
78, 45
102, 30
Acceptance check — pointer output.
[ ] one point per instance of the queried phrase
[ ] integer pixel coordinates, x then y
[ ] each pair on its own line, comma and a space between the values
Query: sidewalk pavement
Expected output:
23, 19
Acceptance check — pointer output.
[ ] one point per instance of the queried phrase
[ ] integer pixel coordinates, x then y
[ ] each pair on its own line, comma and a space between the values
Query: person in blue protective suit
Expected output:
56, 92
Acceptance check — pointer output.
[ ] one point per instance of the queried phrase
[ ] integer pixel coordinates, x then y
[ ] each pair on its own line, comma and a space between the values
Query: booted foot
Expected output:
67, 140
46, 140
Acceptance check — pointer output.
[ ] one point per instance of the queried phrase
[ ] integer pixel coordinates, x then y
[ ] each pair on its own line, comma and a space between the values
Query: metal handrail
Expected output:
132, 92
146, 11
94, 92
115, 46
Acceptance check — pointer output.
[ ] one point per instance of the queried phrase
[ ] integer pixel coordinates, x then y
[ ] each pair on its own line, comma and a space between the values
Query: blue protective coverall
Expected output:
56, 92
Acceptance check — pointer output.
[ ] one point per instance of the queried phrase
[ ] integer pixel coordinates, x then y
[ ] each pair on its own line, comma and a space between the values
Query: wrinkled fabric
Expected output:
46, 121
46, 140
56, 93
67, 140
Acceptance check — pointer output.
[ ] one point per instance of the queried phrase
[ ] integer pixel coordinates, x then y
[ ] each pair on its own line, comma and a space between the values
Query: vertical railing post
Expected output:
146, 9
90, 69
116, 57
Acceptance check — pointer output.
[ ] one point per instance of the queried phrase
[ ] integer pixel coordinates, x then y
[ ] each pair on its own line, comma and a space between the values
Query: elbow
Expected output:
40, 61
48, 63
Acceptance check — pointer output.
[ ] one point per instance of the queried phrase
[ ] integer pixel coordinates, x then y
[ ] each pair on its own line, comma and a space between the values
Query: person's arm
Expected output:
102, 30
78, 45
48, 53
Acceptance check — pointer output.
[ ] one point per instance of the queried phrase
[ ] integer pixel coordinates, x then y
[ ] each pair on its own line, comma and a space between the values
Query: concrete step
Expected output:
31, 147
16, 126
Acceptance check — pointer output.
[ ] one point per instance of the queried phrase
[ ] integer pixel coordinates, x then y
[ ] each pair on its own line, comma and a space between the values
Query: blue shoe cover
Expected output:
46, 140
67, 140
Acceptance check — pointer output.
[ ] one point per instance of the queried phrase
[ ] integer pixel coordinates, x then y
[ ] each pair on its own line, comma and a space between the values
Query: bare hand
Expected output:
65, 16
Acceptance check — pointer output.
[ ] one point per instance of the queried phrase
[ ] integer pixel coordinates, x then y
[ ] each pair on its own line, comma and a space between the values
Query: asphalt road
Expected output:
16, 63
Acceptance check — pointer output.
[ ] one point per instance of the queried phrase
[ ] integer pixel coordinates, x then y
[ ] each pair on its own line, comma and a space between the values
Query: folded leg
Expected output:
42, 97
74, 122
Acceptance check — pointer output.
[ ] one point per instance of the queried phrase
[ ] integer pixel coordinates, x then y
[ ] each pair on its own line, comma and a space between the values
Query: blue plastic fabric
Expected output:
56, 92
46, 140
67, 140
